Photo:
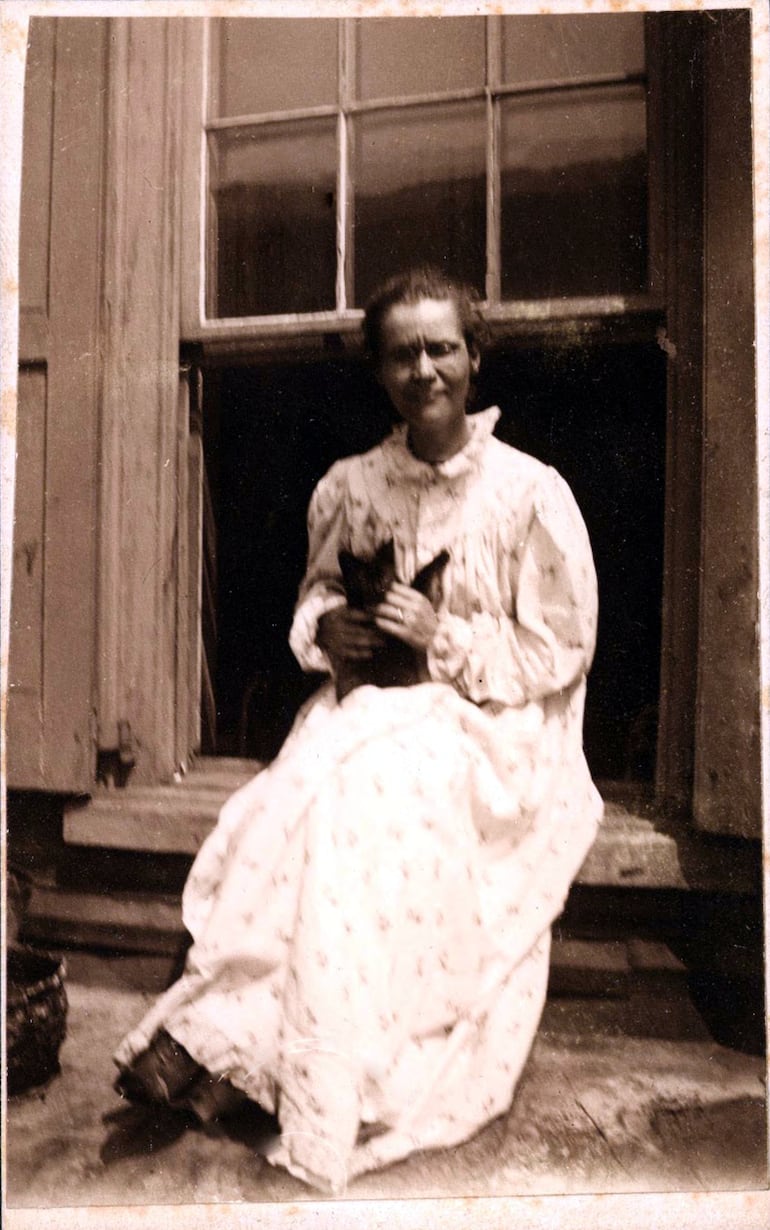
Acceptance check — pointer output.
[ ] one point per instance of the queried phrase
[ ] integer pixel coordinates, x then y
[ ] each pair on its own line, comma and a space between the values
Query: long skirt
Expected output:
371, 921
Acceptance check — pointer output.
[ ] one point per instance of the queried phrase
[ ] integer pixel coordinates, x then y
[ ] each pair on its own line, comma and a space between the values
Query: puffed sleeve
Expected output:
548, 645
321, 589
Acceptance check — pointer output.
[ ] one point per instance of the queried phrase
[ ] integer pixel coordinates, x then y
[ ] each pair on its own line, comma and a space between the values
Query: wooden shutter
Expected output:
107, 553
50, 744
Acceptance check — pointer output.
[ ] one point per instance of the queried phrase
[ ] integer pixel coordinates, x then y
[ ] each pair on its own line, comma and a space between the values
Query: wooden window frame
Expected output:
250, 335
670, 310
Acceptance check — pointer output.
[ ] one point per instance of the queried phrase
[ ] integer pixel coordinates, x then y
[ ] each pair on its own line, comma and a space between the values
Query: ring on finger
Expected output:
400, 616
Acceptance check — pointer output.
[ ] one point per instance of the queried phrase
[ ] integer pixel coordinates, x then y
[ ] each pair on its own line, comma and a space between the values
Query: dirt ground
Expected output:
618, 1096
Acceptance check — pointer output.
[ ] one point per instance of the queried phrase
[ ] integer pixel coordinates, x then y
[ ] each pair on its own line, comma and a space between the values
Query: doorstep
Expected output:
634, 847
151, 924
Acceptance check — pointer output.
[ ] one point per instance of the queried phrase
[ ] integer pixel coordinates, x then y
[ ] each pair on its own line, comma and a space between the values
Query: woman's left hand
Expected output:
407, 615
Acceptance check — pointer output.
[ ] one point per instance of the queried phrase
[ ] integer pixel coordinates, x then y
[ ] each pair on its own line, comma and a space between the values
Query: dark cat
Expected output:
367, 581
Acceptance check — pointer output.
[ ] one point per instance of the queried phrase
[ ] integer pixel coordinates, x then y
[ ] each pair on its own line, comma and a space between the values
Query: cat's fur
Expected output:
367, 581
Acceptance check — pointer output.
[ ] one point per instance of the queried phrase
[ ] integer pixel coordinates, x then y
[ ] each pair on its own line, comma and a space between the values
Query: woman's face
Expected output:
425, 366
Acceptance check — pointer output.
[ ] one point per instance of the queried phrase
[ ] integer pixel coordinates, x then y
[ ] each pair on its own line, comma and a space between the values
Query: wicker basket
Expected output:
36, 1017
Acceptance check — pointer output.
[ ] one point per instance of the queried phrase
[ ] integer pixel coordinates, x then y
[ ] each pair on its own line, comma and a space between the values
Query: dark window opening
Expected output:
594, 411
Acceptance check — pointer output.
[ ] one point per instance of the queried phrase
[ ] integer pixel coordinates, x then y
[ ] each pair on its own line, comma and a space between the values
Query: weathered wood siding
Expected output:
727, 768
143, 562
105, 603
678, 61
52, 614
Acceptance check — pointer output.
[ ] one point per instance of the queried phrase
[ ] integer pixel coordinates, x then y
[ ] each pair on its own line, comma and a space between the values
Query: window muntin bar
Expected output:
490, 68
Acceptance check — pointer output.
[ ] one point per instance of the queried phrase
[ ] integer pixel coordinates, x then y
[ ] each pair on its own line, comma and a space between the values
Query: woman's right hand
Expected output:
347, 635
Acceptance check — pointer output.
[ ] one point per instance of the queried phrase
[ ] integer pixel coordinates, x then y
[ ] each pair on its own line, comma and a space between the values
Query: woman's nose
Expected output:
423, 367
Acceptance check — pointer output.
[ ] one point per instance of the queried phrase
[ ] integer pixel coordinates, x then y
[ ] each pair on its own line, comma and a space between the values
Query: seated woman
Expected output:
371, 916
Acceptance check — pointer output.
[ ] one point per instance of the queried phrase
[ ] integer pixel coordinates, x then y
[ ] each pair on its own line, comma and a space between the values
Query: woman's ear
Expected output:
474, 355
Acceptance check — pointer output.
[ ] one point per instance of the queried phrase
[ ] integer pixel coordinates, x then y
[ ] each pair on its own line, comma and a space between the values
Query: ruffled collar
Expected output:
405, 465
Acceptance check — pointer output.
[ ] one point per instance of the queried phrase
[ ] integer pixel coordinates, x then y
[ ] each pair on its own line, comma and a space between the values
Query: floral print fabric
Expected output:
371, 915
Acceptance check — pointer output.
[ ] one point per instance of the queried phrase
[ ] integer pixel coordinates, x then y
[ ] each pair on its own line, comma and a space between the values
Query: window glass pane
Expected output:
564, 47
574, 194
275, 64
273, 228
418, 55
420, 196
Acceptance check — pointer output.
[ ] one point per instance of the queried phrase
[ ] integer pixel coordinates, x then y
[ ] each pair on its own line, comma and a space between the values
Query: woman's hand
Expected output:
407, 615
347, 635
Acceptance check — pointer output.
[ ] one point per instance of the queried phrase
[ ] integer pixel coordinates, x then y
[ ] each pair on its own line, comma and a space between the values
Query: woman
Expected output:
371, 916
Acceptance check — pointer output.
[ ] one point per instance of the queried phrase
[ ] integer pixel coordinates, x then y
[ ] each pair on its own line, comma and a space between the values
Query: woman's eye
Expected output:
407, 355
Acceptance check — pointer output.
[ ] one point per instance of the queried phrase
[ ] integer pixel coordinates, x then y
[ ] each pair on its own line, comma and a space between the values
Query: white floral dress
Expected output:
371, 915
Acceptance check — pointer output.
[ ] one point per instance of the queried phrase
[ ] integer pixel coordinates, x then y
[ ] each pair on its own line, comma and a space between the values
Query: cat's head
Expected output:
367, 581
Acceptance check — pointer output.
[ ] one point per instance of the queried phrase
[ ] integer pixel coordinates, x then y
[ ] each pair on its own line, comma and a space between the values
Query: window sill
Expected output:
562, 320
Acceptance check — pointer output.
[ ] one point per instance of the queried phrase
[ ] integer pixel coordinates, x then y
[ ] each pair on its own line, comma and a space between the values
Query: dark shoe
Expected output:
213, 1097
160, 1073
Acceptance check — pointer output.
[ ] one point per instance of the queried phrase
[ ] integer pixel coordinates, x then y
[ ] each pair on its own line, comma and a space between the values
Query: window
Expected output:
512, 151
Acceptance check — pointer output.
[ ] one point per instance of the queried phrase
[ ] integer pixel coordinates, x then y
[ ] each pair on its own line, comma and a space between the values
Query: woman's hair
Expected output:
423, 282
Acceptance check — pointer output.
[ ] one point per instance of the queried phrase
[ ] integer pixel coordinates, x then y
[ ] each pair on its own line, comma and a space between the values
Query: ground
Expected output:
626, 1094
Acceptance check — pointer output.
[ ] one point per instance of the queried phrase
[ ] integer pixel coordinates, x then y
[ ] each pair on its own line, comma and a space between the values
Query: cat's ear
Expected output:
385, 555
428, 580
354, 574
348, 565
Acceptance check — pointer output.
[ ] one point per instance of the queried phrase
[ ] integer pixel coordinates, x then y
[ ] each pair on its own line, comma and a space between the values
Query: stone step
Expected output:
136, 922
634, 847
151, 923
174, 818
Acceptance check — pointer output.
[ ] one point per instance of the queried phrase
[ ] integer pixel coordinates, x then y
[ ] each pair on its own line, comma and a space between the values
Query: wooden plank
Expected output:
216, 765
34, 235
493, 199
629, 851
588, 968
207, 609
653, 957
639, 856
72, 428
249, 334
346, 92
112, 392
33, 336
142, 923
192, 178
152, 923
25, 667
186, 632
139, 582
195, 650
143, 828
165, 820
657, 155
25, 672
680, 95
157, 798
727, 796
172, 586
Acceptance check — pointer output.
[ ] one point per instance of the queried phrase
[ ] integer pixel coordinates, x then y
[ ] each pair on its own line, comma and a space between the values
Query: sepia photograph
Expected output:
385, 694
